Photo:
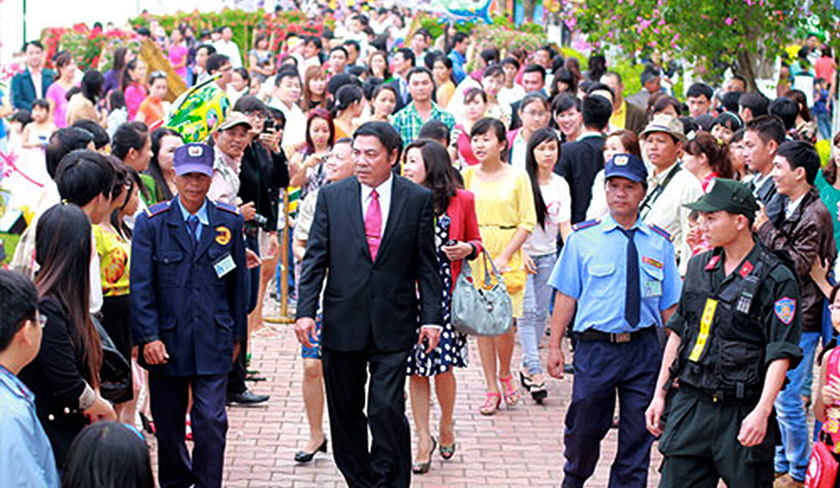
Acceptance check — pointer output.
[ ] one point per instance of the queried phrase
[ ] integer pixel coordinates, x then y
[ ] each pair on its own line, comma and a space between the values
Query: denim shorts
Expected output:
313, 352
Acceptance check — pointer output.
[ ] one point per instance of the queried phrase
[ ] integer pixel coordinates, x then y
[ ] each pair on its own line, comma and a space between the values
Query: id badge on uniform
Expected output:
653, 288
224, 265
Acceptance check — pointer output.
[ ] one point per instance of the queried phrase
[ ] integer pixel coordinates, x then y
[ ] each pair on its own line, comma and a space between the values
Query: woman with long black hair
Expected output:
457, 238
553, 204
65, 375
159, 178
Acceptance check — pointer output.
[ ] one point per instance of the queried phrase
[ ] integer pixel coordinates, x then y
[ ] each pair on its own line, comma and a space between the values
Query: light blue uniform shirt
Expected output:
26, 455
592, 269
203, 220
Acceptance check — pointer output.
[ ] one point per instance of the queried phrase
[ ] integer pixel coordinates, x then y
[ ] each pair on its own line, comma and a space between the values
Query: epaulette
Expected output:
659, 230
157, 209
586, 224
227, 207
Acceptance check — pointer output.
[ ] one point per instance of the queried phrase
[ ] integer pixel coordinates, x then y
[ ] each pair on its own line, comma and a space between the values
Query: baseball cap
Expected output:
667, 124
193, 158
625, 166
729, 195
233, 119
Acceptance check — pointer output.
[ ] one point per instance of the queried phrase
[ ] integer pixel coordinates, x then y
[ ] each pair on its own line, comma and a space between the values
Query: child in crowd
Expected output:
20, 119
37, 133
821, 109
117, 111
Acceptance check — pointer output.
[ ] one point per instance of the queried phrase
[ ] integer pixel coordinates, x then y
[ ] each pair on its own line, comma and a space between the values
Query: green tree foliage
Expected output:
745, 35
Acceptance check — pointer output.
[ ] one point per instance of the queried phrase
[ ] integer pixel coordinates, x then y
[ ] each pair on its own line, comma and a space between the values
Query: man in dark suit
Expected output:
188, 274
34, 81
403, 61
581, 160
373, 240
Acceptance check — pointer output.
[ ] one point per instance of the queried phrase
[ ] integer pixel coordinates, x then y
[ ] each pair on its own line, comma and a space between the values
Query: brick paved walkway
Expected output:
515, 448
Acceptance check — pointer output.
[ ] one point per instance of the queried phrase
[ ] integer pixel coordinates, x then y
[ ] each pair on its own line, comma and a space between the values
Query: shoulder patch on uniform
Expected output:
157, 209
712, 262
785, 309
226, 207
586, 224
659, 230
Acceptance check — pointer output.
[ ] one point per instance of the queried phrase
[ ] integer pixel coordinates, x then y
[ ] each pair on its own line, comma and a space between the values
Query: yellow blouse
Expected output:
444, 93
114, 257
502, 207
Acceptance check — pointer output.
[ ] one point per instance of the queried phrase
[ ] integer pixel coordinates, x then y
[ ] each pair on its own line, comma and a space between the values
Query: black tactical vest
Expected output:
722, 348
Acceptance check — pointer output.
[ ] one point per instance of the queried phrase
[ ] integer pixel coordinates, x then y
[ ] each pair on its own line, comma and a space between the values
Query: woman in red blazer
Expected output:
457, 238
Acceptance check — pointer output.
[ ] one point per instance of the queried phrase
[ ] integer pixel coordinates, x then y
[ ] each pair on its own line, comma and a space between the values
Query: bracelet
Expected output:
87, 398
474, 252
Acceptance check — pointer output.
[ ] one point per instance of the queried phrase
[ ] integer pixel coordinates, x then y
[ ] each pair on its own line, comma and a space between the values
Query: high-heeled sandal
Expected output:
423, 468
511, 396
446, 452
491, 403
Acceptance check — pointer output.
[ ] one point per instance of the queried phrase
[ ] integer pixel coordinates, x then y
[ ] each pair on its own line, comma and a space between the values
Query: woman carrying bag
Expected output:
457, 238
504, 205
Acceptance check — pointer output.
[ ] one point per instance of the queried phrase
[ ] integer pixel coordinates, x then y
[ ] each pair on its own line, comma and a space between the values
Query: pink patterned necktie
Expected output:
373, 224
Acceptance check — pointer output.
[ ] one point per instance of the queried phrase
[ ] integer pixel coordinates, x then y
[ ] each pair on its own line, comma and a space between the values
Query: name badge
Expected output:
653, 288
224, 266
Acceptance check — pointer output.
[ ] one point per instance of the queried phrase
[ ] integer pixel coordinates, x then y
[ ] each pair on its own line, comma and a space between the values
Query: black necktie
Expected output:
192, 224
633, 293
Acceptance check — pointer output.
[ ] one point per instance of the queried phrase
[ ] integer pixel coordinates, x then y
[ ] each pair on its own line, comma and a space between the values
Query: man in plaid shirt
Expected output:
410, 119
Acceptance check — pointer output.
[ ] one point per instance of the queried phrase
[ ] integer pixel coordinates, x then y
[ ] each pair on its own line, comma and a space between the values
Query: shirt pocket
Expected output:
167, 264
603, 276
652, 277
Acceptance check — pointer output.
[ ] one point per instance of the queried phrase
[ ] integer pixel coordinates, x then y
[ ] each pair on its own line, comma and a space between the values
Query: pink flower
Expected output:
729, 21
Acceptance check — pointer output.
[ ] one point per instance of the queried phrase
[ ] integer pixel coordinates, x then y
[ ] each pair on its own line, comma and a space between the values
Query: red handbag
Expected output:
822, 467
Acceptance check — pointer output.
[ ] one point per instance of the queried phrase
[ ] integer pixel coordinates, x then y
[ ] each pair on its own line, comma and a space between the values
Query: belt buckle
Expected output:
621, 338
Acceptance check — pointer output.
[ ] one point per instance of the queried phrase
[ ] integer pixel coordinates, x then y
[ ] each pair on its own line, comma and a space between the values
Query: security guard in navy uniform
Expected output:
188, 274
622, 275
734, 336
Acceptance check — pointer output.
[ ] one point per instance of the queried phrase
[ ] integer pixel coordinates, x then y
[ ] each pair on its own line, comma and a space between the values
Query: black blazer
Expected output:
57, 377
366, 299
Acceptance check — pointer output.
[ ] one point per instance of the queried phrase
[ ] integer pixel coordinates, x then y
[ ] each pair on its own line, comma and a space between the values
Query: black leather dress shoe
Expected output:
305, 457
246, 398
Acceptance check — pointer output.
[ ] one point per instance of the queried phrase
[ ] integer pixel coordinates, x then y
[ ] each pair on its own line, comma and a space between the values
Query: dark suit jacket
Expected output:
400, 102
366, 299
579, 162
23, 90
176, 296
635, 119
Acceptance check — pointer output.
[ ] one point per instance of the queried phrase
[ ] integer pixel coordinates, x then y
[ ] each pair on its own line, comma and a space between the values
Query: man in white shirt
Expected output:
669, 187
287, 91
229, 48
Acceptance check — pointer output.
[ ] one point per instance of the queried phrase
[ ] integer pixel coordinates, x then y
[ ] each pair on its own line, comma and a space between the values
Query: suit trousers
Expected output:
209, 426
236, 377
388, 462
601, 370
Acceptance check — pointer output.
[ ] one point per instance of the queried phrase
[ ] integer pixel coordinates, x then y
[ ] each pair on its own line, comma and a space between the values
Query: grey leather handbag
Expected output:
481, 310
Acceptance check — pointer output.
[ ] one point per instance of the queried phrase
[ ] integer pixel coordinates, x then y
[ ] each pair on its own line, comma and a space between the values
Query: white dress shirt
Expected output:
792, 205
231, 50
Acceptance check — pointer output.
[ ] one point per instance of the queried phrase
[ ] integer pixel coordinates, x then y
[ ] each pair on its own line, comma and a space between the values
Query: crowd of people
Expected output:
407, 159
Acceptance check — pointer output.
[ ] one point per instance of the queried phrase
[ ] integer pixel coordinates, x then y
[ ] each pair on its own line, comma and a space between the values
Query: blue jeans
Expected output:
824, 126
531, 327
792, 455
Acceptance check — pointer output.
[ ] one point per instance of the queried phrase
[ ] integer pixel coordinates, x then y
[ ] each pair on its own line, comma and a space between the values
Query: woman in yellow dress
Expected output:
504, 204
